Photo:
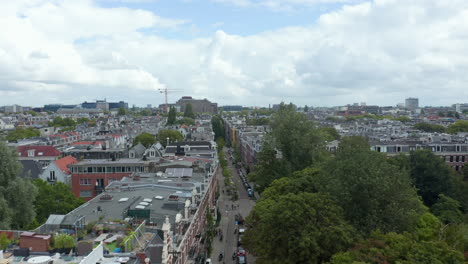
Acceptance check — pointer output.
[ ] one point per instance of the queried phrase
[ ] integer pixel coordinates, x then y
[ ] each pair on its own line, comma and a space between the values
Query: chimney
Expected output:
187, 205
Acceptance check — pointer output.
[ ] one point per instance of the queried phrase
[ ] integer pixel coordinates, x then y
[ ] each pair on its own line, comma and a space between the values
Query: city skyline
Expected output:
253, 53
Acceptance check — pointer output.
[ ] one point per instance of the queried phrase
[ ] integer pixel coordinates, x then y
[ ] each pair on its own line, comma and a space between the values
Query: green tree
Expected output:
459, 126
259, 121
144, 138
64, 241
62, 122
21, 194
217, 124
300, 228
6, 214
122, 111
22, 133
4, 241
403, 119
300, 142
16, 195
10, 167
447, 210
269, 167
373, 193
171, 118
431, 176
189, 111
426, 127
330, 133
82, 120
186, 121
399, 249
441, 114
33, 113
54, 199
173, 136
457, 115
306, 109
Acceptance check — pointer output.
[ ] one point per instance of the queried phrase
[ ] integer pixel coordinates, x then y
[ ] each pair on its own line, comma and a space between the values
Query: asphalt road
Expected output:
229, 210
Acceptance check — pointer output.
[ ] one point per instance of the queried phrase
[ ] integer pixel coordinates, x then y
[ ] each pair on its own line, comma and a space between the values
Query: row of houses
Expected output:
168, 190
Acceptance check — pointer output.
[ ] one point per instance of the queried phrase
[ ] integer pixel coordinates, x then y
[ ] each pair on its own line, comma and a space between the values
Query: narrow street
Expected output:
229, 210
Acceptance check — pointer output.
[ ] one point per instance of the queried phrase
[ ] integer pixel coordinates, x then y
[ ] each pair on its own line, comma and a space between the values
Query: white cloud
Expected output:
379, 52
284, 5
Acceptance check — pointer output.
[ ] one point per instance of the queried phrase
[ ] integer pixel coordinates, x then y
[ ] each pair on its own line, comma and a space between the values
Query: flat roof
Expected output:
149, 186
179, 172
106, 161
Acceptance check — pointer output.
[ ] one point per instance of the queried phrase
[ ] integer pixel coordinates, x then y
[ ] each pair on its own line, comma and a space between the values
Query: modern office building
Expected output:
412, 103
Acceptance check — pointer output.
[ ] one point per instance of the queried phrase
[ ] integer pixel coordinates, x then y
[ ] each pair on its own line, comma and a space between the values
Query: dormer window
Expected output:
31, 153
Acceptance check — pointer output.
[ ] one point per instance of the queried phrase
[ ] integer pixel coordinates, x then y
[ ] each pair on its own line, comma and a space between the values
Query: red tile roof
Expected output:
63, 162
39, 151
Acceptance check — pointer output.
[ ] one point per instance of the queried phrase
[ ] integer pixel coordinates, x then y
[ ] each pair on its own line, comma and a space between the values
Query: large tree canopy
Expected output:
189, 111
173, 136
146, 139
294, 144
298, 139
373, 193
16, 195
54, 199
297, 228
431, 176
401, 249
218, 126
22, 133
171, 117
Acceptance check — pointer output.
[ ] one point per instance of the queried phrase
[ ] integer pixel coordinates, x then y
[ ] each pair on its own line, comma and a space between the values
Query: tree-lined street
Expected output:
229, 209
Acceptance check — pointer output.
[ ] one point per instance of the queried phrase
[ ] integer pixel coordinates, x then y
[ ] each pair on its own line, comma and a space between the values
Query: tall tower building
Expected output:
412, 103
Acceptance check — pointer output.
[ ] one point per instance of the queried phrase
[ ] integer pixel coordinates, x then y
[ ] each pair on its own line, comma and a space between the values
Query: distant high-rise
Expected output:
412, 103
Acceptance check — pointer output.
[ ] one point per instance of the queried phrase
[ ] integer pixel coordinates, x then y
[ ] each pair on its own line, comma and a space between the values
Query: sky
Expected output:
234, 52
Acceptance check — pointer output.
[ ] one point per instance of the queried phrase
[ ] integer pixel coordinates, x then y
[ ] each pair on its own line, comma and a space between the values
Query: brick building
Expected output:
35, 242
198, 105
90, 177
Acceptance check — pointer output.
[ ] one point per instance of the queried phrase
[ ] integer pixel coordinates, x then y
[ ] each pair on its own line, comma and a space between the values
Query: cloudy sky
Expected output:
248, 52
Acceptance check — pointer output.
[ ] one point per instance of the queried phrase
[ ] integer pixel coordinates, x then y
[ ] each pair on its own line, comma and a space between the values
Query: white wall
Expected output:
95, 256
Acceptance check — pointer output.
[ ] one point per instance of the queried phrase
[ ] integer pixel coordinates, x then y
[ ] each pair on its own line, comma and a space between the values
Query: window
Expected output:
85, 181
463, 159
31, 153
86, 194
451, 158
52, 176
89, 170
457, 158
458, 148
